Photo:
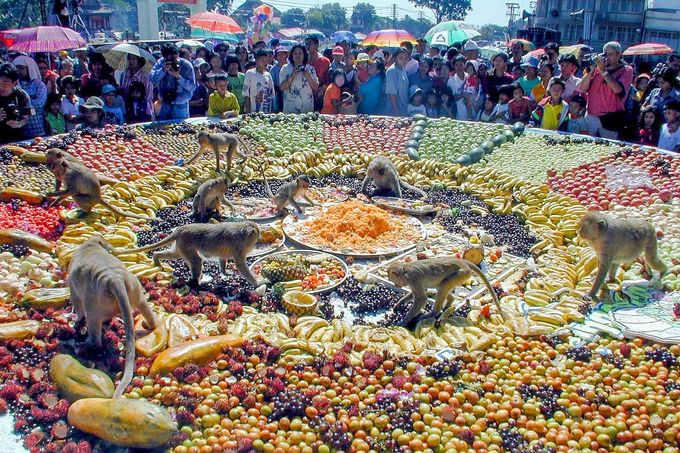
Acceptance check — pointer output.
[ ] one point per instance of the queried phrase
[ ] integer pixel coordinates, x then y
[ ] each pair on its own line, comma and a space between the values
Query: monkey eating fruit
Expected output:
386, 179
444, 273
210, 196
217, 142
288, 192
101, 288
618, 241
53, 155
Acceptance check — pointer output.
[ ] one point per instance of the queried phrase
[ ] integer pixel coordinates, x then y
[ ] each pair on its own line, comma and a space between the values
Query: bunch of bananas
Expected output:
316, 329
274, 328
396, 340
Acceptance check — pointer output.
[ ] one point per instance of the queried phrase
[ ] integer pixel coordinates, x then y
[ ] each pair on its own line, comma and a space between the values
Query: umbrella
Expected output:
528, 45
537, 53
116, 55
7, 37
228, 37
214, 22
46, 39
572, 50
649, 48
189, 43
450, 32
487, 53
388, 38
343, 35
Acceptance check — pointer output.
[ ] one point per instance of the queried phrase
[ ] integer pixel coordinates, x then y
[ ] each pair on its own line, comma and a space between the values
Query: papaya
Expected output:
75, 381
19, 330
44, 298
16, 150
10, 193
155, 342
33, 158
199, 351
474, 254
180, 330
16, 236
124, 422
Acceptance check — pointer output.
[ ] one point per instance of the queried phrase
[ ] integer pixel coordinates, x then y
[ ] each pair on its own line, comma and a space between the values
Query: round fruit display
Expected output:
314, 357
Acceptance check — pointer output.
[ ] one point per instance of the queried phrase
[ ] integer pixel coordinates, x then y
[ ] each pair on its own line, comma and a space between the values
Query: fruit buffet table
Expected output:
317, 359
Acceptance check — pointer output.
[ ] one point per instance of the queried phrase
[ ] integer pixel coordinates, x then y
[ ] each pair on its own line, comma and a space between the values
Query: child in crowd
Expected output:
55, 122
446, 102
70, 102
362, 75
332, 98
136, 110
258, 86
520, 105
669, 137
552, 112
222, 103
415, 103
112, 110
577, 123
649, 127
501, 112
471, 88
432, 104
235, 80
517, 72
93, 114
486, 114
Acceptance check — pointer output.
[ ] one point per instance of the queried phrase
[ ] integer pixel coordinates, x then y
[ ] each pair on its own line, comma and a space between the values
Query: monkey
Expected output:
218, 142
444, 273
101, 288
197, 241
81, 184
55, 154
386, 178
210, 196
618, 241
288, 192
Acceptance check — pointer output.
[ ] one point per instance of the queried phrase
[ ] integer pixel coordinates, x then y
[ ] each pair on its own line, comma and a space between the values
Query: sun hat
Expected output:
93, 103
108, 88
530, 62
198, 62
470, 45
363, 58
338, 50
379, 55
413, 90
280, 49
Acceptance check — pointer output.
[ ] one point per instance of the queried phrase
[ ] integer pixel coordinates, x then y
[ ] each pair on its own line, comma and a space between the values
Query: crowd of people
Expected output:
596, 94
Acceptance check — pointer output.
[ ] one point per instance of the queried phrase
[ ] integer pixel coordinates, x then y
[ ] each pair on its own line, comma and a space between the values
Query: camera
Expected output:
174, 65
12, 111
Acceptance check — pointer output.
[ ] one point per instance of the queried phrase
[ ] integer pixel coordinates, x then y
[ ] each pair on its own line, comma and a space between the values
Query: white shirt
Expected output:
456, 84
254, 83
570, 86
412, 66
502, 112
415, 109
69, 108
669, 140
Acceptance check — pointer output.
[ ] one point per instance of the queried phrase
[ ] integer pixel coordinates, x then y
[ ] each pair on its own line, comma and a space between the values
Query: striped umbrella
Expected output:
116, 55
46, 39
528, 45
214, 22
649, 48
388, 38
450, 32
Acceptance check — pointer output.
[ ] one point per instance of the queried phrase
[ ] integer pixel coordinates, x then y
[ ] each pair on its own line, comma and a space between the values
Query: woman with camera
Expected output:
298, 82
32, 84
15, 105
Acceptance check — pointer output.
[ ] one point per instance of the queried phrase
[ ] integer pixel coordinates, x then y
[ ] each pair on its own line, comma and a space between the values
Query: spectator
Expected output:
363, 61
48, 77
471, 50
546, 71
396, 85
568, 67
113, 112
136, 104
55, 123
501, 111
242, 55
371, 92
434, 52
498, 76
100, 74
332, 99
649, 127
321, 65
338, 62
135, 73
82, 64
530, 79
519, 105
552, 112
486, 113
669, 137
198, 104
15, 105
415, 104
606, 83
432, 104
411, 66
422, 78
637, 92
236, 80
350, 70
222, 103
65, 69
456, 83
446, 104
673, 62
60, 9
93, 114
31, 83
577, 124
451, 53
174, 78
371, 50
185, 53
204, 53
71, 102
667, 90
516, 55
258, 86
281, 57
421, 46
222, 49
472, 89
517, 73
552, 53
298, 82
215, 69
441, 75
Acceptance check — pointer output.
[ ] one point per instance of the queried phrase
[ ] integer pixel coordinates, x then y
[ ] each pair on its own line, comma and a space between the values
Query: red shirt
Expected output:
601, 99
321, 65
521, 108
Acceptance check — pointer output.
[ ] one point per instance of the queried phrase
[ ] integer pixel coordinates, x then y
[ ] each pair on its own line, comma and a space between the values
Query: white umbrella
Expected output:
190, 43
116, 55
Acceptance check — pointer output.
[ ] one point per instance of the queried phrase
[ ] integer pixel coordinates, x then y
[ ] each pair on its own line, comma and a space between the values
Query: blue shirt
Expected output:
396, 84
186, 84
424, 84
371, 93
114, 115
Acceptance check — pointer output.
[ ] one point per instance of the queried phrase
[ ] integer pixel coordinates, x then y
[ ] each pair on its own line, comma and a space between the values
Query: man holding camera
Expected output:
175, 79
15, 105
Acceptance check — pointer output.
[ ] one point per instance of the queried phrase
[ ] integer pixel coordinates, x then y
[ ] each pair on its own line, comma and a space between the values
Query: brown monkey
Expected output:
210, 196
444, 273
82, 184
101, 288
386, 178
618, 241
218, 142
288, 192
196, 241
55, 154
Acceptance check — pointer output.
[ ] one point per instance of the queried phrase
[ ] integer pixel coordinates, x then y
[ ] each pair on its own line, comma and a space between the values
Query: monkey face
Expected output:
396, 274
592, 225
303, 181
100, 241
53, 154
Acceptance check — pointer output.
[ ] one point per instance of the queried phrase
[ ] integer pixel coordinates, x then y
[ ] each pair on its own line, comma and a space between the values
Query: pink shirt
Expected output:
601, 99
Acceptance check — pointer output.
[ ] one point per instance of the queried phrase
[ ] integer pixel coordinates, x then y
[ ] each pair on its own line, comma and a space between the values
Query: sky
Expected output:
483, 11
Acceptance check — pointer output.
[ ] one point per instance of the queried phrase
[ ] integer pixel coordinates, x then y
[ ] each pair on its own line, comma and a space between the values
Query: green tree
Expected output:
445, 9
364, 17
492, 32
417, 27
172, 18
294, 17
328, 18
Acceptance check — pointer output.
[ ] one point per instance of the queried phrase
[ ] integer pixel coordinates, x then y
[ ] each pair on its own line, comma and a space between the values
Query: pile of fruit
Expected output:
231, 367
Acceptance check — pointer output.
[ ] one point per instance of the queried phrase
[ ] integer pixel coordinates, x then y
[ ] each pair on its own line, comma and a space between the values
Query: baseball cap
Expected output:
337, 50
198, 62
93, 103
63, 53
363, 58
530, 62
470, 45
108, 88
379, 55
280, 49
413, 90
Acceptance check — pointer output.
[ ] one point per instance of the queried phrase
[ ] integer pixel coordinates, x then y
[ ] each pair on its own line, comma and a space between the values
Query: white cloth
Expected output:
33, 71
412, 66
415, 109
669, 140
254, 83
299, 97
570, 86
456, 84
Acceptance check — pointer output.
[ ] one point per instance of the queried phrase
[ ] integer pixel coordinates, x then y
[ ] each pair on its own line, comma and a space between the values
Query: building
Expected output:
97, 16
662, 23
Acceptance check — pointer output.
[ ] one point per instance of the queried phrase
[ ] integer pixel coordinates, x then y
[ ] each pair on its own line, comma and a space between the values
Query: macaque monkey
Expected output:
385, 178
196, 241
288, 192
82, 184
101, 288
444, 273
217, 142
55, 154
618, 241
210, 196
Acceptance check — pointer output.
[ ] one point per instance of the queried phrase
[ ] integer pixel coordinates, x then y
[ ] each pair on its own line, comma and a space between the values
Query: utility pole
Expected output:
420, 24
394, 15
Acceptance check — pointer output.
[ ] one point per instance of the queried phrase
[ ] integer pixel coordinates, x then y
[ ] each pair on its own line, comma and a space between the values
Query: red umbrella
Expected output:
388, 38
214, 22
46, 39
7, 37
649, 48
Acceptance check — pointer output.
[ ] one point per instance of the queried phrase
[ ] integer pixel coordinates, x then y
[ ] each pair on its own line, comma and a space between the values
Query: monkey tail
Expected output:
157, 245
481, 275
115, 210
266, 183
243, 145
120, 293
406, 185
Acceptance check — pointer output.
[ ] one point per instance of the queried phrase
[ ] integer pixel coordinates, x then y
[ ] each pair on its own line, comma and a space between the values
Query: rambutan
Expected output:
239, 391
81, 447
222, 406
33, 440
467, 435
10, 390
44, 415
398, 381
372, 361
184, 417
3, 406
625, 349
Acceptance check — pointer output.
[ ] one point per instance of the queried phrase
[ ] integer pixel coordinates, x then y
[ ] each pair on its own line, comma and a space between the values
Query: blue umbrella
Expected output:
344, 35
